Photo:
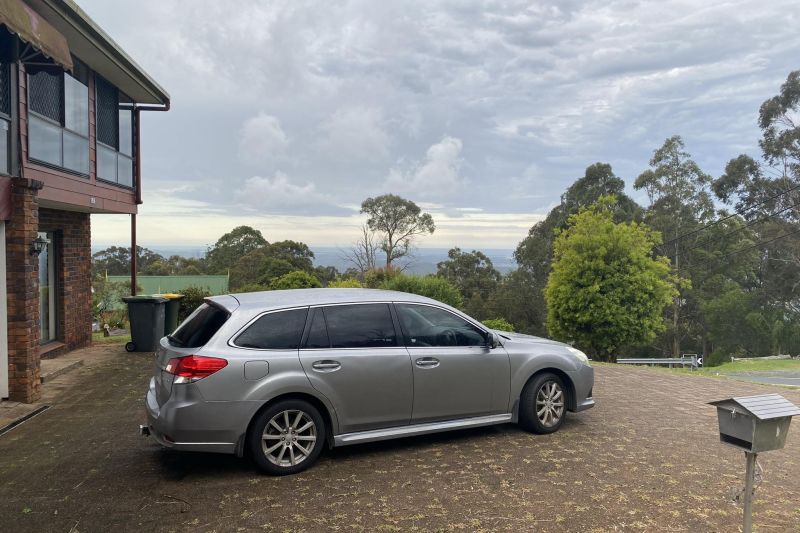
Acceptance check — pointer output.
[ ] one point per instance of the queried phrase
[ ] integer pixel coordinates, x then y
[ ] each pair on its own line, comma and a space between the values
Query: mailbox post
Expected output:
754, 424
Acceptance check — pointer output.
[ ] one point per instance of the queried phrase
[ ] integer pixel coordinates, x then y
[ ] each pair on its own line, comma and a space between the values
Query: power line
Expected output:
745, 226
728, 217
746, 248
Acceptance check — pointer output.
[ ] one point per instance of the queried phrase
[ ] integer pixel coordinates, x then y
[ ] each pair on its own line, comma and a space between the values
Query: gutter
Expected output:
89, 29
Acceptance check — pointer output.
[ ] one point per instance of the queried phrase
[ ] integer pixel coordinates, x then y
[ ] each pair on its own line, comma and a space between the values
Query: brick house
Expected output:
70, 110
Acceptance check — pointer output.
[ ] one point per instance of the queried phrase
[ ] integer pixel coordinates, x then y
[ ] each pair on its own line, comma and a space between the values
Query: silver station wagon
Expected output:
281, 374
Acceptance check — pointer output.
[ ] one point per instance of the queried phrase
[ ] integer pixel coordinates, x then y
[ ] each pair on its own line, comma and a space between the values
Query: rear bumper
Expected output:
189, 423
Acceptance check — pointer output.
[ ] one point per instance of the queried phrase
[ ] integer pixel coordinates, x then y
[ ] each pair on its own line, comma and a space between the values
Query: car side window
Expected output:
317, 332
426, 326
281, 330
360, 326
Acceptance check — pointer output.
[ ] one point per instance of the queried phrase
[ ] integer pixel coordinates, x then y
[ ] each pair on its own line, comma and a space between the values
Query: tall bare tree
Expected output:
362, 255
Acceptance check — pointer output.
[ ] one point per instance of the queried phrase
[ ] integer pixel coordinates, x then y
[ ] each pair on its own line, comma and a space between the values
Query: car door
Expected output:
456, 373
353, 355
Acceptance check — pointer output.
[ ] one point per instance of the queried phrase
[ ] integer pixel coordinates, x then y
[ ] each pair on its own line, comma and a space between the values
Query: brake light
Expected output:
194, 367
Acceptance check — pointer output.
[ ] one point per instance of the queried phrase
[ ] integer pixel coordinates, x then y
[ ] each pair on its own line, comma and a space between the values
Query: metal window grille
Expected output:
107, 113
45, 94
5, 88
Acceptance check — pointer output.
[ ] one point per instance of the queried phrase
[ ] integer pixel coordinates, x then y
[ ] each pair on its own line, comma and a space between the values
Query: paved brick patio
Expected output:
647, 458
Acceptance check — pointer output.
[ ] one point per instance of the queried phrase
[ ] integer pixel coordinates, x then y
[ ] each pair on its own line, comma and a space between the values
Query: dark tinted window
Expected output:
430, 326
360, 326
199, 327
275, 331
45, 95
106, 109
318, 333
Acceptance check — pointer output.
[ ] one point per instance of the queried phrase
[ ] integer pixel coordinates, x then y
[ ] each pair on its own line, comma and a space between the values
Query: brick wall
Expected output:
72, 248
72, 245
22, 282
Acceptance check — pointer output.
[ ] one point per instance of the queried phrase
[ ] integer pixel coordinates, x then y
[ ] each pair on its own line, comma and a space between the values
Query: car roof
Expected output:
266, 300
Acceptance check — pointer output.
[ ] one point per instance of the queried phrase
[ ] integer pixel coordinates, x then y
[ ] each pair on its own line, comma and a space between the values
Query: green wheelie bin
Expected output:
146, 314
173, 305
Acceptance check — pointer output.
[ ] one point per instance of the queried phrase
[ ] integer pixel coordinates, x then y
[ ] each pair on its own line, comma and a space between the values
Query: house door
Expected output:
47, 290
3, 315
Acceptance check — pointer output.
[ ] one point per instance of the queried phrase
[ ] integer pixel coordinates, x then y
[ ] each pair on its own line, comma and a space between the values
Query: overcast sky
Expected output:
287, 114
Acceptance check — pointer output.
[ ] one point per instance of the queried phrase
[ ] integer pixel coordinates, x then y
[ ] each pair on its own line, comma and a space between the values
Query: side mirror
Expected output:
492, 340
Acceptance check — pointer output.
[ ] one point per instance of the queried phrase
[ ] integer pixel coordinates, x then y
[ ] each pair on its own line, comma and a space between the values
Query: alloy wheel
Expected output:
289, 438
550, 404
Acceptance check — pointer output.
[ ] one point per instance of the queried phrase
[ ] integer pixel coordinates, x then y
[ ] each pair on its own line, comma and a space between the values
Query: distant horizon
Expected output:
423, 262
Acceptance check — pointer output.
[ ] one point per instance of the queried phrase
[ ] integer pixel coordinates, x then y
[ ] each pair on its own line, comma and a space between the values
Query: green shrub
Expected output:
716, 359
252, 287
430, 286
295, 280
375, 278
349, 283
498, 323
192, 298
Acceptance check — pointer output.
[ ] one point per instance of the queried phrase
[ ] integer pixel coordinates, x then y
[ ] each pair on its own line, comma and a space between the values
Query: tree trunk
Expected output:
676, 308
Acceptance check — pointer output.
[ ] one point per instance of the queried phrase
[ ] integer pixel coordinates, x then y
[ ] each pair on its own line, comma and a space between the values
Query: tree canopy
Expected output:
237, 243
473, 274
397, 221
606, 289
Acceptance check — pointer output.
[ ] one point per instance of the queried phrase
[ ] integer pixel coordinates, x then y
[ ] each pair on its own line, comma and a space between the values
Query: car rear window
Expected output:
360, 326
199, 327
281, 330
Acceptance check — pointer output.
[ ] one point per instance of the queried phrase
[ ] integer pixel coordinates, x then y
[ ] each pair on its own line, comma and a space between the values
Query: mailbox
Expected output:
755, 424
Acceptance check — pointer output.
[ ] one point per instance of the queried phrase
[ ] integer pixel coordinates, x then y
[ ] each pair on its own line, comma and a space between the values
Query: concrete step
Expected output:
52, 368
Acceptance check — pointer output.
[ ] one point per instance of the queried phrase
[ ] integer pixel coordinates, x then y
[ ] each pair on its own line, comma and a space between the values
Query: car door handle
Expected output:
326, 365
427, 362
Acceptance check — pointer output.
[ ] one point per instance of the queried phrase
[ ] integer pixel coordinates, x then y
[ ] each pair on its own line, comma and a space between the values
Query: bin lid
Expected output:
170, 296
144, 298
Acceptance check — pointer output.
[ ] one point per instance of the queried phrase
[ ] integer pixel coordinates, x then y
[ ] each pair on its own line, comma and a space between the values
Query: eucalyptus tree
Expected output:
680, 203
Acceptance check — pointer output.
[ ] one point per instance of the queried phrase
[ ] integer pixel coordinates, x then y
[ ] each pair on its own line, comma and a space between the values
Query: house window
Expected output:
114, 135
5, 118
58, 118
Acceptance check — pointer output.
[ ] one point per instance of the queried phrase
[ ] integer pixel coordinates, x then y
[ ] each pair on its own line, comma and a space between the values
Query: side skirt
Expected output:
373, 435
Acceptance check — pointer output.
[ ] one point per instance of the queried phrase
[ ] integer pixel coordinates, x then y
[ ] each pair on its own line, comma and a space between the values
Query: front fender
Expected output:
524, 366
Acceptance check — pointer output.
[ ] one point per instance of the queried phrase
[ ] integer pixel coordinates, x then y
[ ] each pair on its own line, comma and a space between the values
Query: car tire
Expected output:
543, 404
287, 437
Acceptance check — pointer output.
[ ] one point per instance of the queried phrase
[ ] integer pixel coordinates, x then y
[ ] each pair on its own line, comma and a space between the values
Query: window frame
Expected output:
61, 123
465, 318
392, 313
232, 339
10, 117
130, 106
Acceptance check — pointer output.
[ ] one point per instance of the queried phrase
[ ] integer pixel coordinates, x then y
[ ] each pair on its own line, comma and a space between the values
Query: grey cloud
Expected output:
361, 90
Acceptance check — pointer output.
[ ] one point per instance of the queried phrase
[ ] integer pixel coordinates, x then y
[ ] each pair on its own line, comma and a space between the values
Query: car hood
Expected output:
521, 338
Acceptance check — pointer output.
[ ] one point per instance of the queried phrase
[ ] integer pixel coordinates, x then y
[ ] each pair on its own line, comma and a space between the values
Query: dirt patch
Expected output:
647, 458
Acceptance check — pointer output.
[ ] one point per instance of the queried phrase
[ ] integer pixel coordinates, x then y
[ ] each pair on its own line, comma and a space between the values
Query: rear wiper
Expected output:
174, 341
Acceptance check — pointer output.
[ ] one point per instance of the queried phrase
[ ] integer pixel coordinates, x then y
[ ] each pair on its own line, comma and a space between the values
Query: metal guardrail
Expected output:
687, 360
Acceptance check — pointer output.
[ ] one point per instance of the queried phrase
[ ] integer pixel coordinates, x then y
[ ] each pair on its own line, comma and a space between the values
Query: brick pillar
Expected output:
22, 282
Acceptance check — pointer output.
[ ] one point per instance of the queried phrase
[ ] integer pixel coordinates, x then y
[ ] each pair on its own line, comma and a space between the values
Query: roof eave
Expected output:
148, 90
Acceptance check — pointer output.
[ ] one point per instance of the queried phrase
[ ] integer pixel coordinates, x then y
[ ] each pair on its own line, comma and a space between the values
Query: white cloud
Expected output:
355, 133
438, 175
279, 194
261, 139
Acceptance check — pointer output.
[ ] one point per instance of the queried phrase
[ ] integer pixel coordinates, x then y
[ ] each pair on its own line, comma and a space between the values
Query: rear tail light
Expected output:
194, 367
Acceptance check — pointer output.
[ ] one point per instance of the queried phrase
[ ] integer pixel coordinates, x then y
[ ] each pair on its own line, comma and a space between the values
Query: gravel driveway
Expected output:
646, 458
